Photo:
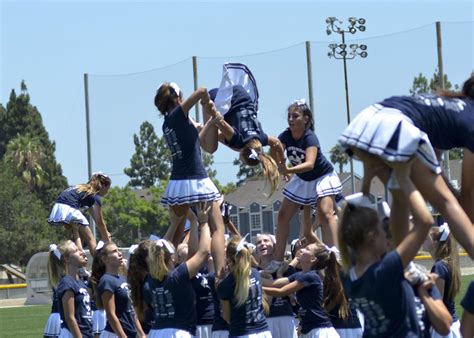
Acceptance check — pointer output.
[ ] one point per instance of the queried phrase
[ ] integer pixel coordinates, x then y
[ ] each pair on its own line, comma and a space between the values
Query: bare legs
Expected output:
325, 207
287, 210
467, 184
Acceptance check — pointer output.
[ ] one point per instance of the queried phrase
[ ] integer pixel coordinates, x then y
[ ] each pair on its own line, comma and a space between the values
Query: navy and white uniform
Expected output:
53, 324
189, 182
349, 327
173, 302
385, 298
313, 319
68, 205
204, 304
441, 268
468, 300
423, 320
82, 307
390, 134
248, 318
237, 100
305, 188
220, 328
118, 286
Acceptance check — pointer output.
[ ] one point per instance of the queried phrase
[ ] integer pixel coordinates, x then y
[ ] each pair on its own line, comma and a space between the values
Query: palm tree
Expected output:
25, 155
339, 156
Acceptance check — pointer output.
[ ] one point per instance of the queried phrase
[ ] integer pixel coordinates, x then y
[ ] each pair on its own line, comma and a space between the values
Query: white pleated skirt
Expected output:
389, 134
235, 74
53, 325
179, 192
282, 327
203, 331
264, 334
322, 332
220, 334
108, 334
350, 333
65, 333
455, 331
99, 320
307, 192
169, 333
64, 214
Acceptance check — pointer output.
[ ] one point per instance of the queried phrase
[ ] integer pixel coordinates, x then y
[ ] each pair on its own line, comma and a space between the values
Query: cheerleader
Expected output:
241, 293
168, 289
467, 323
401, 127
111, 292
281, 319
234, 122
220, 328
53, 324
314, 182
189, 182
67, 210
445, 253
64, 263
363, 244
307, 284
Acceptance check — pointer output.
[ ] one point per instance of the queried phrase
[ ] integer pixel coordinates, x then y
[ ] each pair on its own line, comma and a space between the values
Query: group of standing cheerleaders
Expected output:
213, 288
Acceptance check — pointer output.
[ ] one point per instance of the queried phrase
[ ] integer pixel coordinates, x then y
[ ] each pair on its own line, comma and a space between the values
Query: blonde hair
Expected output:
240, 263
158, 259
447, 251
56, 266
269, 166
95, 184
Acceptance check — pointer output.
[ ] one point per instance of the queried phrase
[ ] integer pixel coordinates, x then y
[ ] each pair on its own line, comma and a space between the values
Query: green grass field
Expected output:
28, 321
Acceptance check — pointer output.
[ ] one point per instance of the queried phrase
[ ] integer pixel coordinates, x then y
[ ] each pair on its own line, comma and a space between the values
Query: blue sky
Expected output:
52, 44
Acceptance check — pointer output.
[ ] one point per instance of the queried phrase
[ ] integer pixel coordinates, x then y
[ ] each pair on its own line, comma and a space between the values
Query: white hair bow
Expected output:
99, 173
132, 249
175, 88
242, 243
445, 231
54, 249
164, 243
253, 154
100, 245
154, 237
300, 102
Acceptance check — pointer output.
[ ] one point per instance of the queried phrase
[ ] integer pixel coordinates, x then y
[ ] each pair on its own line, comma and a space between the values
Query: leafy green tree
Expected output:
339, 156
23, 227
151, 161
130, 218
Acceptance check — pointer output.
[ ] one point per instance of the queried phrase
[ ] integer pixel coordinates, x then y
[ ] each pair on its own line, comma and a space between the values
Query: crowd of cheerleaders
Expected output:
360, 281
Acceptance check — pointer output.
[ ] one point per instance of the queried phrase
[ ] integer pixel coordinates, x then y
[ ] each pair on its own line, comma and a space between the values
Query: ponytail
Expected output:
95, 184
241, 265
158, 258
56, 266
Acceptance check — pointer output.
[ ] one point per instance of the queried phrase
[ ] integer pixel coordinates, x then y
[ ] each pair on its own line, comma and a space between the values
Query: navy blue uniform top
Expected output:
55, 303
422, 316
351, 322
247, 318
82, 308
296, 153
468, 300
118, 286
173, 300
78, 200
204, 302
183, 141
386, 299
441, 268
310, 300
218, 324
448, 122
242, 116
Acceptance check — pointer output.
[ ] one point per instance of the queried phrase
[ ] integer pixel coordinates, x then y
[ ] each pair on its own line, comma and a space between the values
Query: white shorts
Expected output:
64, 214
282, 327
391, 135
169, 333
99, 320
322, 332
307, 192
179, 192
53, 325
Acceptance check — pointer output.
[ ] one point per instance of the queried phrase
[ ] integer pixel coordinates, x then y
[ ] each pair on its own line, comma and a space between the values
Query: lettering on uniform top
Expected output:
295, 155
252, 305
172, 141
420, 313
163, 303
454, 104
375, 321
86, 300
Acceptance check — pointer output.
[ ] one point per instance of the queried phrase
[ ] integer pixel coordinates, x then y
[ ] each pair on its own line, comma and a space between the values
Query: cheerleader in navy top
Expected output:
402, 127
189, 182
112, 293
445, 253
67, 210
467, 325
234, 122
241, 293
220, 328
53, 324
376, 285
168, 290
74, 307
204, 304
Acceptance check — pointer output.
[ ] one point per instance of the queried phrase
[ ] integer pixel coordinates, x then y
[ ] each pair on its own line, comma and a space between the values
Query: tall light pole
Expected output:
343, 52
